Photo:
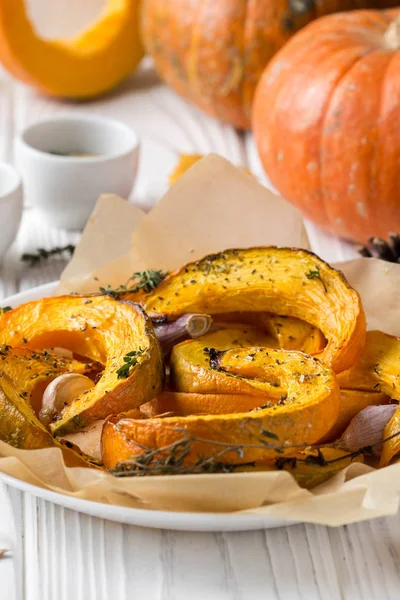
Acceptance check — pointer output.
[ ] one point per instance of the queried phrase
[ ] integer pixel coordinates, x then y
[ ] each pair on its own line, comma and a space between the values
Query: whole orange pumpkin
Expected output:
213, 52
326, 120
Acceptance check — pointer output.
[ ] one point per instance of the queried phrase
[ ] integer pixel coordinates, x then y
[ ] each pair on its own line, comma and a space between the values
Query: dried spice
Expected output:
385, 250
42, 254
170, 460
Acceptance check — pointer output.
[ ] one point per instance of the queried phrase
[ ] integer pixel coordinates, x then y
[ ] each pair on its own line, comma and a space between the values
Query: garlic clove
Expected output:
88, 440
367, 427
191, 325
63, 390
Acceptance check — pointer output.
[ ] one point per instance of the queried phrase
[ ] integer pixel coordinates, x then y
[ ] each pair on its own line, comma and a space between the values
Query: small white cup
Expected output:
64, 187
10, 205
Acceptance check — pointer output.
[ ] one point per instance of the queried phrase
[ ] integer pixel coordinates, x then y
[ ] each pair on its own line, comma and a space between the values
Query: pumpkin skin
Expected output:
212, 52
86, 66
278, 280
326, 120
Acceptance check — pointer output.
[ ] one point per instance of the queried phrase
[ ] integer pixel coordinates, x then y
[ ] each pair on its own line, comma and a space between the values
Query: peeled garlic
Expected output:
63, 390
367, 427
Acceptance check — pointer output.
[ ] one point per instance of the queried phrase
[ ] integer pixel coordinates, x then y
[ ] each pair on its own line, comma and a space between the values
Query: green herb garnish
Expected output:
145, 280
130, 360
316, 275
5, 309
43, 254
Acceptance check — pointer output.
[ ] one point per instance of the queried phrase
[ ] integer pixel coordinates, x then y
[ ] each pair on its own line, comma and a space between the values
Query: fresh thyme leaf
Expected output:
115, 293
315, 274
5, 309
130, 360
43, 254
145, 280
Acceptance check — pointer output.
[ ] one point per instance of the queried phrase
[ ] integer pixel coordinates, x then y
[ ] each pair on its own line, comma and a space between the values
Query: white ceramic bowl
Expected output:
64, 187
10, 205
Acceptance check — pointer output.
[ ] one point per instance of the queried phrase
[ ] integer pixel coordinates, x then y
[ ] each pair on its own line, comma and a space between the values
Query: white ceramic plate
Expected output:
183, 521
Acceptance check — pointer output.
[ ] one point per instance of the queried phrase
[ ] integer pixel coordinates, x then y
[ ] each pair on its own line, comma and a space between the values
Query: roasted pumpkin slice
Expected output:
283, 281
186, 403
117, 334
351, 403
391, 448
31, 371
24, 374
309, 467
288, 332
378, 368
308, 410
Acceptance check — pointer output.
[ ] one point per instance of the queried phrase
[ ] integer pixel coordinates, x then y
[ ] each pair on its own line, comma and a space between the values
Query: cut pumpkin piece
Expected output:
24, 374
289, 333
309, 468
82, 67
309, 409
378, 369
391, 448
283, 281
186, 403
117, 334
351, 403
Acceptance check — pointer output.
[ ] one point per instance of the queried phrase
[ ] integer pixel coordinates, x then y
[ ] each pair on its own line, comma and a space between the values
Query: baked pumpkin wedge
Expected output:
378, 369
190, 403
117, 334
31, 371
284, 281
308, 410
351, 403
24, 374
288, 333
391, 448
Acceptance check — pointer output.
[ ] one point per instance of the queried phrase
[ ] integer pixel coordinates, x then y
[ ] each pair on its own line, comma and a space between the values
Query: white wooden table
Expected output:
62, 554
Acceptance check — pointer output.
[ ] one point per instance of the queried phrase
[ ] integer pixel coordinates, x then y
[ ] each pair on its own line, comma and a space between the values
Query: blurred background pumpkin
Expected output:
79, 67
213, 52
326, 121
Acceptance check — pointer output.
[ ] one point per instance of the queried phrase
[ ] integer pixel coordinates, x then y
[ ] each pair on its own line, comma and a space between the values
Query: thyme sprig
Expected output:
170, 459
316, 274
130, 360
42, 254
143, 280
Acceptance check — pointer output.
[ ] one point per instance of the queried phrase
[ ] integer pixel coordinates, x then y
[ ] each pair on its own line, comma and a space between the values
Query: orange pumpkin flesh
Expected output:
213, 52
378, 369
326, 149
101, 329
93, 63
284, 281
351, 403
24, 374
310, 409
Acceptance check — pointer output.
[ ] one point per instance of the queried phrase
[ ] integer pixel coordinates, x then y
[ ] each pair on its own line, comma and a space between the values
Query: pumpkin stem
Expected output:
185, 327
392, 35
